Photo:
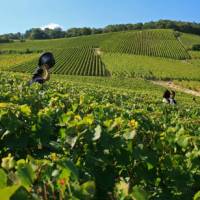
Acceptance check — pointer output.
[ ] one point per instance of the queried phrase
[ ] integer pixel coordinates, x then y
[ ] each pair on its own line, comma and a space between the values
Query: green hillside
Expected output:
123, 65
189, 39
89, 55
161, 43
89, 41
158, 43
71, 61
98, 136
105, 134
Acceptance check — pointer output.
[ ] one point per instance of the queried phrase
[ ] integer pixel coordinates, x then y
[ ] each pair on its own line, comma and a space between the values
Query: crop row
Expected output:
38, 45
75, 141
72, 61
148, 43
130, 65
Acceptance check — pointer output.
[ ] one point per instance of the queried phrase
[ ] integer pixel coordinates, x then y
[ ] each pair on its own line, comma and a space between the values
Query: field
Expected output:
88, 41
105, 134
151, 54
90, 131
72, 61
189, 39
151, 67
193, 85
159, 43
7, 61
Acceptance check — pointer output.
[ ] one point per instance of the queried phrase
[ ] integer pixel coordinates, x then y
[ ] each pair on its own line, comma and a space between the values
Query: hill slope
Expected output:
96, 139
158, 43
86, 55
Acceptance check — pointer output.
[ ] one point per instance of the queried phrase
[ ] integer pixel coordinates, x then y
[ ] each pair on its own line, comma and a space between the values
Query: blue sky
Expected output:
20, 15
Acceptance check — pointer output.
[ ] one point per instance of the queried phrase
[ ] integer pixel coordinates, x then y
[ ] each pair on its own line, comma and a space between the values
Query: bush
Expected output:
196, 47
4, 40
22, 40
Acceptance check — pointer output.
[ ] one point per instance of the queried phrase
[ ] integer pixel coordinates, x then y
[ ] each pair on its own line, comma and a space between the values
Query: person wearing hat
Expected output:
166, 97
41, 74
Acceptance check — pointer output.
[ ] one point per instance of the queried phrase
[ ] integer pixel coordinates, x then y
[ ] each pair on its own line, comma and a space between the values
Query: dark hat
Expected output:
166, 94
48, 59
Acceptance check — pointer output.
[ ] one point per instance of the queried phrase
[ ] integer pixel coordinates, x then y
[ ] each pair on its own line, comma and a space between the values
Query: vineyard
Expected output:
159, 43
136, 66
8, 61
72, 61
193, 85
105, 134
83, 55
90, 41
69, 140
189, 39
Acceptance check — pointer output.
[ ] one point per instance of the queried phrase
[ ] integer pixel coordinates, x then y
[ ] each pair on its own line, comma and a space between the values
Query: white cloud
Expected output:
51, 26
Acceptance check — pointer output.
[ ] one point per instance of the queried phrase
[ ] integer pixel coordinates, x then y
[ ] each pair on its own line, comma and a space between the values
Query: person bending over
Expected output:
45, 63
166, 96
169, 97
172, 99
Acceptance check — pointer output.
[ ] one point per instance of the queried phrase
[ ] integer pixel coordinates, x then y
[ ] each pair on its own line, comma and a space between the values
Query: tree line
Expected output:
37, 33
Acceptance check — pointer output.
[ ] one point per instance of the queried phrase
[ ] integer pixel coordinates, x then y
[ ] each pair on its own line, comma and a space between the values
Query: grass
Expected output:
92, 41
158, 43
131, 123
189, 39
138, 86
9, 60
151, 67
193, 85
167, 136
195, 54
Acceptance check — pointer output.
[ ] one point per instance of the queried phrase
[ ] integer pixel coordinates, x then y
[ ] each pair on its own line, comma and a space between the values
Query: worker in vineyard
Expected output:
172, 98
166, 96
42, 73
169, 97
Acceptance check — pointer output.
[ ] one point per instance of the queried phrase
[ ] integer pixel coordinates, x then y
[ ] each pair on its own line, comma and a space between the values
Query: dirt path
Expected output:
172, 86
98, 51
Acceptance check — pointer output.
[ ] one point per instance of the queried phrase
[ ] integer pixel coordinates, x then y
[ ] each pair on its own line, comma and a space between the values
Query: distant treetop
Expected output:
37, 33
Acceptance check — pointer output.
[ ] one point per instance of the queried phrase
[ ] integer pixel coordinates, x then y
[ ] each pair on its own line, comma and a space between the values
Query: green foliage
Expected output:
196, 47
133, 66
4, 40
139, 194
197, 196
69, 140
3, 179
37, 33
8, 61
94, 41
96, 137
110, 54
71, 61
25, 174
189, 40
159, 43
8, 192
192, 85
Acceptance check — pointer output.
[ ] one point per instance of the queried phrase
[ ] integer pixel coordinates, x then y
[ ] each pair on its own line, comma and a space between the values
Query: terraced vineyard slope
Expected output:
71, 61
159, 43
114, 54
72, 140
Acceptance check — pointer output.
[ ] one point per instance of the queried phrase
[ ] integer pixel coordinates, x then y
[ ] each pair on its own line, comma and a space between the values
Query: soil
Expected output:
173, 86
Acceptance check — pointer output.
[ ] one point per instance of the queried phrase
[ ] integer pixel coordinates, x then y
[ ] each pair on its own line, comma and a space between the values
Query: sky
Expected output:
21, 15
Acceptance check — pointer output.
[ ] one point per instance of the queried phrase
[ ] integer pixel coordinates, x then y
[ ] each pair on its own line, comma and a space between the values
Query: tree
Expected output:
5, 39
54, 33
38, 34
196, 47
97, 30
